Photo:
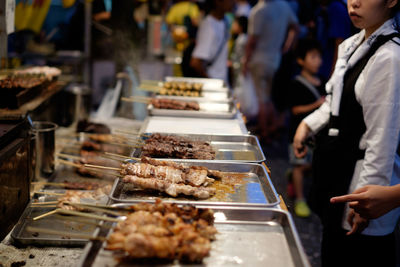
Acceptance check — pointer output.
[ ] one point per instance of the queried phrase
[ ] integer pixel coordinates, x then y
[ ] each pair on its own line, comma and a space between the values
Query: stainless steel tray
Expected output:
208, 109
247, 237
208, 84
205, 95
21, 236
256, 190
235, 148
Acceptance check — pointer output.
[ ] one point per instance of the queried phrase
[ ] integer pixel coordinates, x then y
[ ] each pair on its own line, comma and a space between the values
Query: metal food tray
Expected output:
54, 222
208, 84
214, 110
204, 95
247, 237
235, 148
256, 190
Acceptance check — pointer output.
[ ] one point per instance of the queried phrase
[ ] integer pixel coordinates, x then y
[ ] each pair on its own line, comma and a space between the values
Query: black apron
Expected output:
335, 157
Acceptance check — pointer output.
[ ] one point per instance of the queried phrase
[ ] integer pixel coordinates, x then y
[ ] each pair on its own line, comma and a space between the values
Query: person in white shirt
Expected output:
272, 30
210, 55
358, 133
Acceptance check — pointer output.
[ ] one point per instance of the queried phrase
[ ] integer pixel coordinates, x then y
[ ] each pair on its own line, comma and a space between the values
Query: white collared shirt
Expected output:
378, 91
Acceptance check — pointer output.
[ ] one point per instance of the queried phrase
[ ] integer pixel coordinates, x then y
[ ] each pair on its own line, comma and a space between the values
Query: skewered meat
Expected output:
175, 174
81, 185
168, 146
156, 162
182, 89
163, 231
91, 127
74, 196
99, 147
188, 213
146, 170
21, 83
165, 103
171, 189
46, 71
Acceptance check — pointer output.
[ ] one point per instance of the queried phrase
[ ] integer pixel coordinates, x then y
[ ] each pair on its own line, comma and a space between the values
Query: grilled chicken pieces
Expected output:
165, 231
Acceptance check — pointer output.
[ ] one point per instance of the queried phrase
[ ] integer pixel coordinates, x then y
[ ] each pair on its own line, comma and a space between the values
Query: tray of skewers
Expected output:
24, 85
188, 89
165, 234
55, 209
171, 107
211, 183
235, 148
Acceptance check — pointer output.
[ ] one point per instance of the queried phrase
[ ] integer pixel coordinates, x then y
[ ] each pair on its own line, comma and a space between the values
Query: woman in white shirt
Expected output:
357, 131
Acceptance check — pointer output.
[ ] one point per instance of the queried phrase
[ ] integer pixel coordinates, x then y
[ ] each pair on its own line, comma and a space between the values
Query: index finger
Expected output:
347, 198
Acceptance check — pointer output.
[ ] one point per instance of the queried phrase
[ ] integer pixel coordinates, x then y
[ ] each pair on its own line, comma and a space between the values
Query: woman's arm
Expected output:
301, 109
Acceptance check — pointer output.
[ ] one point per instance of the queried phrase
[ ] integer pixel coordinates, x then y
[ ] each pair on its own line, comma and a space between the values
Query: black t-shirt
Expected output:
300, 94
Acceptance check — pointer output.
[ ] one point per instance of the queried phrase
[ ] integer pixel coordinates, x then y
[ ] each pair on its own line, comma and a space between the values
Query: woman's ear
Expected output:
391, 3
300, 61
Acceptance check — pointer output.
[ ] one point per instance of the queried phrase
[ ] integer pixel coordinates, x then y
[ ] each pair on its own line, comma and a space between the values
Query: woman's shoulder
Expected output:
389, 51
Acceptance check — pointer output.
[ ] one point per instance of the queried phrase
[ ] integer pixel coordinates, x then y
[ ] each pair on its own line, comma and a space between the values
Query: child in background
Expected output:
239, 32
305, 95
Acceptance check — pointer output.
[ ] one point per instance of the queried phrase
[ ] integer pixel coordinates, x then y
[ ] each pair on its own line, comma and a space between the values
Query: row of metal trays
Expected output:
251, 229
214, 99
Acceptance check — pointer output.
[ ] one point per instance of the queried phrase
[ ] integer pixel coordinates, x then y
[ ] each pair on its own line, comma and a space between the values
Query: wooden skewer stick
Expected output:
87, 215
126, 132
62, 233
49, 193
44, 206
68, 156
94, 208
81, 220
49, 183
111, 158
121, 156
68, 163
126, 139
152, 82
150, 88
138, 100
43, 203
45, 215
102, 167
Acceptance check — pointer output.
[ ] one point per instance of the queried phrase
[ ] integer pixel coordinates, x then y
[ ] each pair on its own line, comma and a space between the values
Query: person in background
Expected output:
180, 10
272, 31
239, 30
358, 137
306, 94
243, 8
210, 54
333, 25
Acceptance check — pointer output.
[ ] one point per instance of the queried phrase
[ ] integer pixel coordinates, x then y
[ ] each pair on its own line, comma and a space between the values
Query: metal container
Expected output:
254, 190
246, 237
79, 103
235, 148
44, 132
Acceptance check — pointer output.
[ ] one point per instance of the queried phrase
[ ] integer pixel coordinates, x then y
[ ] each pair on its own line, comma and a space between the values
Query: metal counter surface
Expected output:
159, 124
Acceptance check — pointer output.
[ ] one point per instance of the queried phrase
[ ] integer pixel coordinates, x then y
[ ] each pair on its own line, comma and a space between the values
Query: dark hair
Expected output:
306, 45
242, 21
209, 5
